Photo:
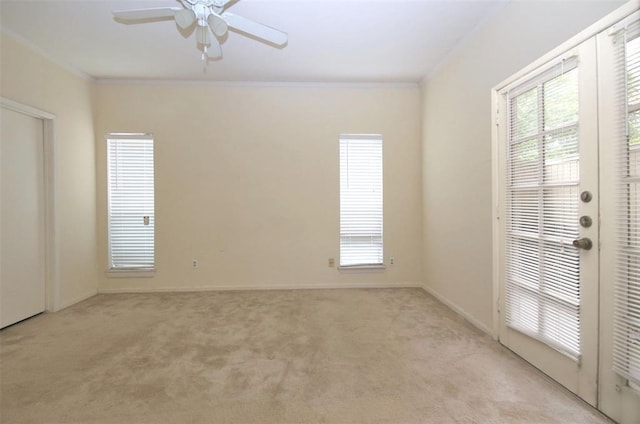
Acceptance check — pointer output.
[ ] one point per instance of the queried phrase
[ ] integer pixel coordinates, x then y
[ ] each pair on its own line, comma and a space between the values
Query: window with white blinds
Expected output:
131, 218
627, 290
542, 267
361, 200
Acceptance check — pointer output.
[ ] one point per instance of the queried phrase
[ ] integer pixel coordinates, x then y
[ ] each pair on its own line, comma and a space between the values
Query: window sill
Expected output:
131, 273
355, 269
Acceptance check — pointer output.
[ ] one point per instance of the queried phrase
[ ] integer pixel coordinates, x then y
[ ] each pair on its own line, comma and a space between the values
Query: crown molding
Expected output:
62, 64
258, 84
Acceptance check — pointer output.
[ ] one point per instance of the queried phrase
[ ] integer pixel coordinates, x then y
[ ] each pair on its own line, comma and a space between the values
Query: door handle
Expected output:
583, 243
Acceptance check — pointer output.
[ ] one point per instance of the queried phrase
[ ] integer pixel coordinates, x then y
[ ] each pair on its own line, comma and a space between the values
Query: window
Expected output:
130, 192
361, 200
543, 172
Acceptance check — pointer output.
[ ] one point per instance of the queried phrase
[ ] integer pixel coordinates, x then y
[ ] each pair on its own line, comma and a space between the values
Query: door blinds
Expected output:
360, 200
627, 290
131, 202
542, 268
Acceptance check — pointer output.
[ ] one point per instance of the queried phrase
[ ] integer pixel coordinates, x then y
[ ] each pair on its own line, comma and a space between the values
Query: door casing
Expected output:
51, 248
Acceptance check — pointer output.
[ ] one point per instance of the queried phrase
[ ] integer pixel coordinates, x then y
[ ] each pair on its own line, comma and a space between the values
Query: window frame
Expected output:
127, 271
361, 267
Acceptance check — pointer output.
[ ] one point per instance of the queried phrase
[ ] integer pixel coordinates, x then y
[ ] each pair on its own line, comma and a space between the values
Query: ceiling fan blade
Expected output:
185, 18
214, 51
256, 29
221, 3
153, 13
217, 24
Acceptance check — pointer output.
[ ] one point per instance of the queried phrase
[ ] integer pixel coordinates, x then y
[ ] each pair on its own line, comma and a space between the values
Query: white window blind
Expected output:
361, 200
131, 219
627, 290
542, 268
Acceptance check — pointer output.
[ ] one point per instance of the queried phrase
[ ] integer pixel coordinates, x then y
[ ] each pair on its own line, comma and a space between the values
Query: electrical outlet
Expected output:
331, 262
194, 263
392, 260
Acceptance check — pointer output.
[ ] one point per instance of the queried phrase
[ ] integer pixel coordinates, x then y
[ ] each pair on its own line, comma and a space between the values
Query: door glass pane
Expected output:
524, 162
627, 294
542, 266
560, 209
525, 111
561, 101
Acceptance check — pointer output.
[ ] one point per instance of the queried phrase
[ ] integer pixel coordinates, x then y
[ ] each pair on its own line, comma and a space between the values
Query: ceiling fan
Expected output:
208, 16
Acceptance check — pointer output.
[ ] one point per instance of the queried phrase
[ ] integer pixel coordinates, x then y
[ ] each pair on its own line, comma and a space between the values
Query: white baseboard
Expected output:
229, 287
475, 322
74, 300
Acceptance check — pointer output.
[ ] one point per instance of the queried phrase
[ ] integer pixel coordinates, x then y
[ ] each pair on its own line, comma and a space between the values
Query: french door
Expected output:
619, 120
568, 190
550, 220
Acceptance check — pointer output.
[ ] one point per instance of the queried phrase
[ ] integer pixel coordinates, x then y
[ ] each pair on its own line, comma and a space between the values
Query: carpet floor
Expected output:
301, 356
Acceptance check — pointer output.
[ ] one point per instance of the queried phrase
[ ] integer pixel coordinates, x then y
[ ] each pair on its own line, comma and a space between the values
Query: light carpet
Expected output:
300, 356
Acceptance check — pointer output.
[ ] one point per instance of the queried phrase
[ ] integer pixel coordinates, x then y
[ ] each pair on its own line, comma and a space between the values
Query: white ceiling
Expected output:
329, 40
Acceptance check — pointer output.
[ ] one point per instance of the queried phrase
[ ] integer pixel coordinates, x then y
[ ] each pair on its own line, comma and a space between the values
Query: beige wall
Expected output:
30, 79
247, 181
247, 178
457, 209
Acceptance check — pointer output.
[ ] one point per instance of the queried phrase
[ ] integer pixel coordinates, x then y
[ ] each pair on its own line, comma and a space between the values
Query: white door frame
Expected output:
51, 249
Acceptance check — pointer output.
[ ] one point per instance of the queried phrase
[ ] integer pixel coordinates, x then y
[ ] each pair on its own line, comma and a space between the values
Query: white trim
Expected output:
128, 136
361, 137
550, 70
52, 248
130, 273
623, 24
497, 120
472, 320
244, 287
258, 84
64, 65
24, 109
358, 269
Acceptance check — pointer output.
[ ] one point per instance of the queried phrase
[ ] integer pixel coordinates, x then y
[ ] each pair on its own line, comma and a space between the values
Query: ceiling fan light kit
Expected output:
211, 18
218, 25
185, 18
